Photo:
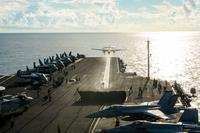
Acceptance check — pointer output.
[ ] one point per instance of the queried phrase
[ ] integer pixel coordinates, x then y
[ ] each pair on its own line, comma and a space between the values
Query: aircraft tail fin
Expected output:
57, 57
19, 73
190, 115
50, 58
65, 54
166, 96
168, 101
34, 65
172, 101
77, 55
41, 63
27, 69
45, 60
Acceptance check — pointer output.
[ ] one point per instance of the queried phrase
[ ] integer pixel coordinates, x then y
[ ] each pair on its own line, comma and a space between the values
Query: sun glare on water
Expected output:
168, 55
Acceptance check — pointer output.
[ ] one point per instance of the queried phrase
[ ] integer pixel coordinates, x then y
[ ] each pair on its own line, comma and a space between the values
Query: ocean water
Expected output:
174, 55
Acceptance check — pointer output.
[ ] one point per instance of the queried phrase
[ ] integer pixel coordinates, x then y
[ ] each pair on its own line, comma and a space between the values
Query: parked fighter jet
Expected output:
72, 57
188, 122
52, 64
150, 112
80, 56
109, 49
43, 68
59, 64
13, 104
46, 69
32, 77
64, 59
34, 70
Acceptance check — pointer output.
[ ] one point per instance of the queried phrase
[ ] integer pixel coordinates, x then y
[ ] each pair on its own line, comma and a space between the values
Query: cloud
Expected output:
95, 15
44, 15
186, 9
191, 3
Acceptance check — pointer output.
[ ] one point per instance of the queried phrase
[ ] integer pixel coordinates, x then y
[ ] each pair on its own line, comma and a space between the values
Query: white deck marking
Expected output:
2, 77
107, 73
95, 122
7, 79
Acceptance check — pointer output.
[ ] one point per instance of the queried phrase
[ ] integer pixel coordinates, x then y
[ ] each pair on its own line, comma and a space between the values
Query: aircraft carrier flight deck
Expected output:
88, 85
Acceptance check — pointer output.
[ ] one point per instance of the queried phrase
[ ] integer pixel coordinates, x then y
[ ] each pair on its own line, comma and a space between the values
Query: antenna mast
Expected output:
148, 60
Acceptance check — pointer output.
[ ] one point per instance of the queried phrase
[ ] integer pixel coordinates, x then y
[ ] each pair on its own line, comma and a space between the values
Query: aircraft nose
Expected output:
103, 113
93, 115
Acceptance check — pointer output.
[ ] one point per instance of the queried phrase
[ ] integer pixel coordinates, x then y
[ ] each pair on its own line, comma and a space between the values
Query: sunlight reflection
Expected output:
168, 56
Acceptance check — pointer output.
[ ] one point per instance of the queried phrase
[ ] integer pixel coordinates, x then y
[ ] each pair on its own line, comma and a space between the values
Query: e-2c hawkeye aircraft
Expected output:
31, 77
44, 68
188, 122
109, 49
151, 112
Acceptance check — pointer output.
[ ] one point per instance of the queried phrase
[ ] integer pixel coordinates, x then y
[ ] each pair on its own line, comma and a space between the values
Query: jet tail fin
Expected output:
44, 61
47, 60
168, 101
28, 70
190, 115
172, 101
57, 57
65, 54
166, 96
34, 65
19, 73
50, 58
40, 62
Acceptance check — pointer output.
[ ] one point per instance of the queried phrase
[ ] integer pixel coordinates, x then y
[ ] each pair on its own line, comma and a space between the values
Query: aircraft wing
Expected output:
118, 49
97, 49
149, 112
157, 113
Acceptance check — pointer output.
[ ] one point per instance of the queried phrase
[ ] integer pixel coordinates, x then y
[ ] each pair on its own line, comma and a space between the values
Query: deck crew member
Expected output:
38, 92
140, 93
159, 88
49, 94
130, 91
117, 123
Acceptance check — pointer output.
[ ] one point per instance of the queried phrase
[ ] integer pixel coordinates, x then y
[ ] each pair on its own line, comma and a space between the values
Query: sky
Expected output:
99, 15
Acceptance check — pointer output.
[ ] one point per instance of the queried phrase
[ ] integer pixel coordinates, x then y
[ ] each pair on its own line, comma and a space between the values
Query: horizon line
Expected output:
91, 32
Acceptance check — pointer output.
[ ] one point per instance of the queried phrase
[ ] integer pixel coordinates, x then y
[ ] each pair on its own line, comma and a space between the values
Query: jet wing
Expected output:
149, 112
97, 49
118, 49
157, 113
